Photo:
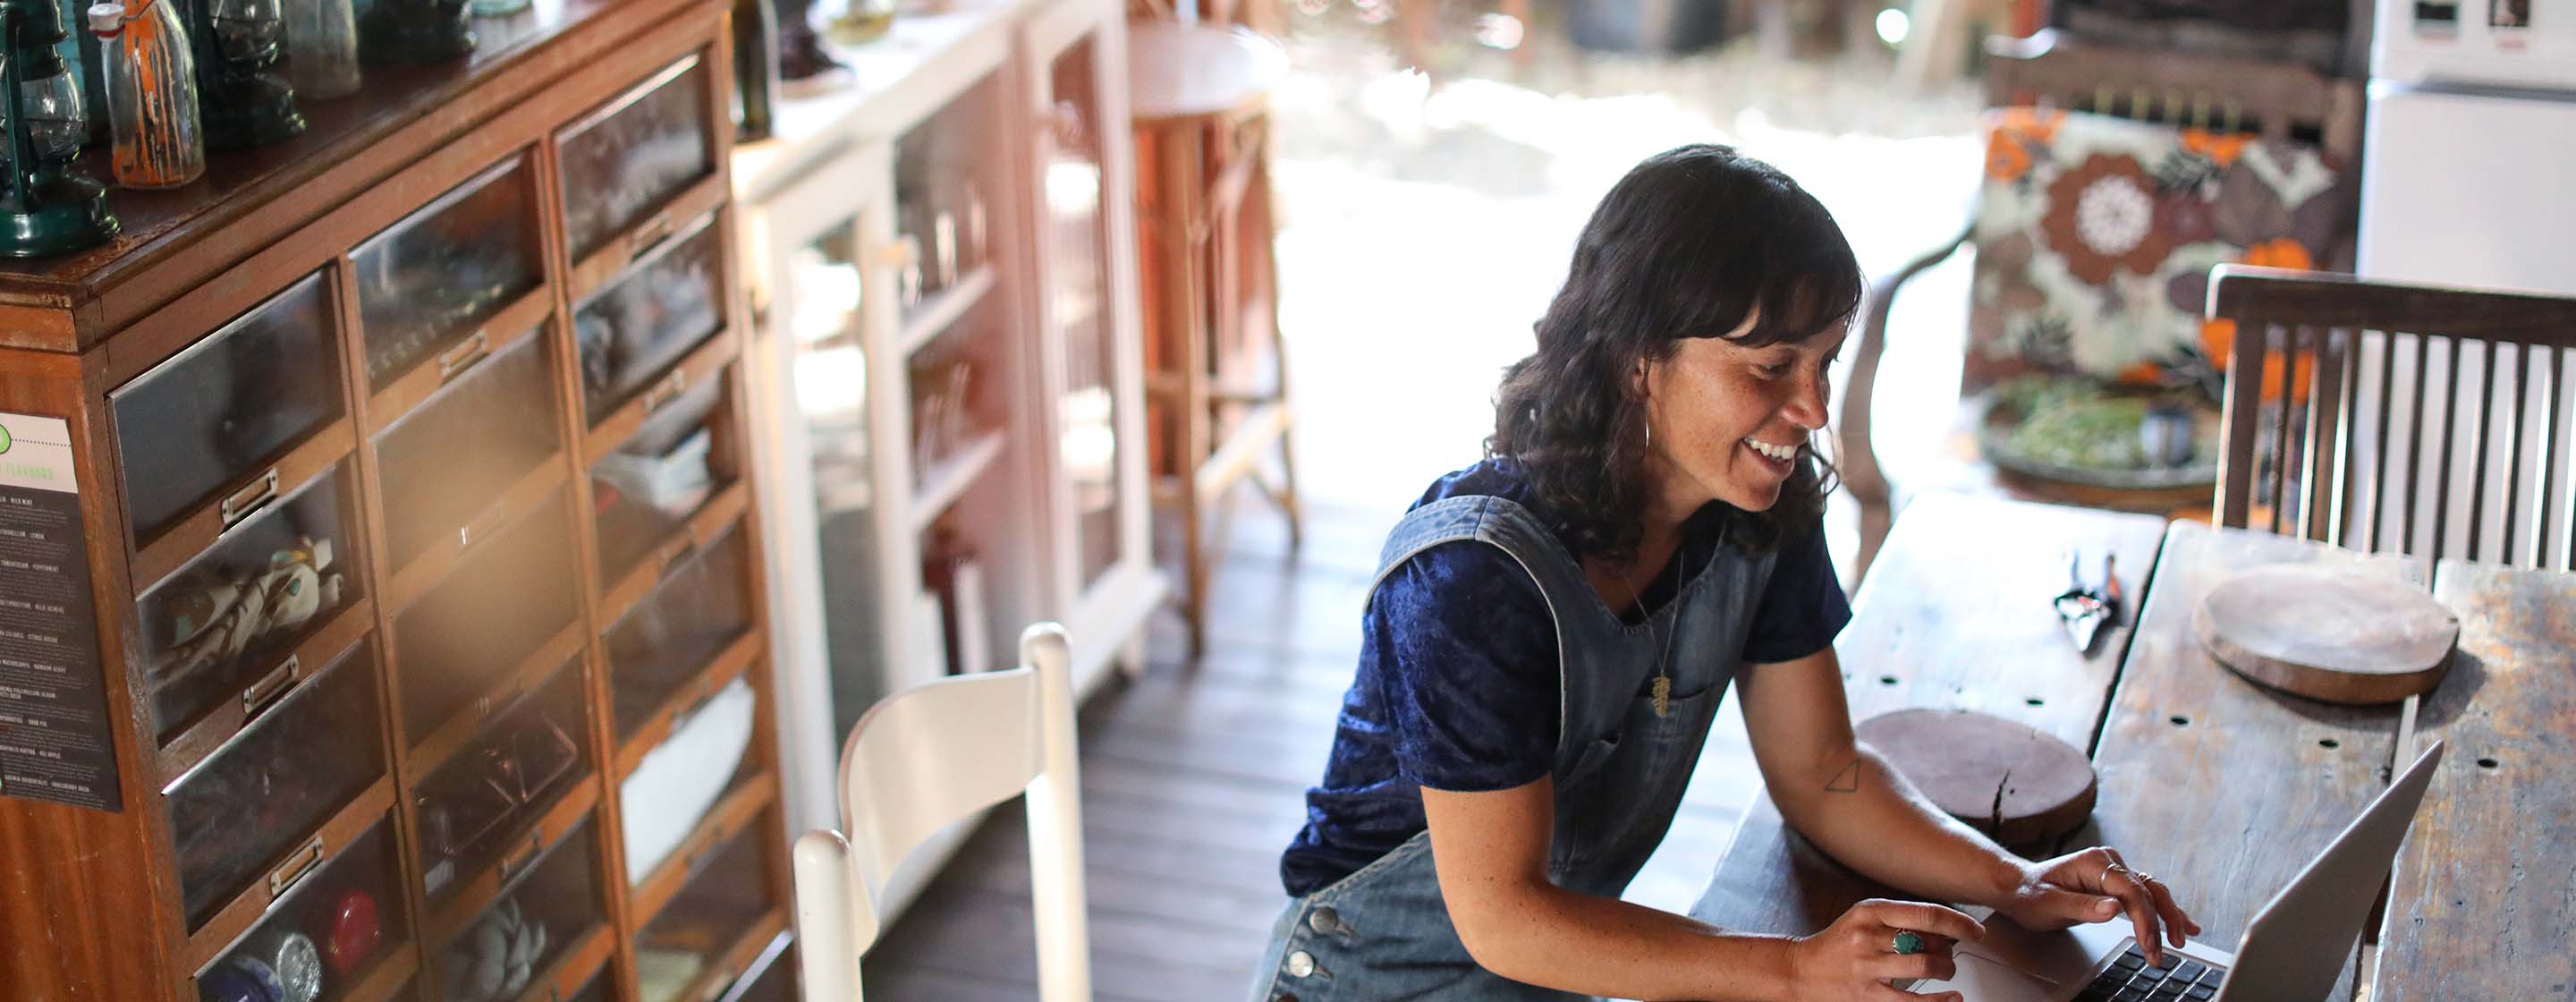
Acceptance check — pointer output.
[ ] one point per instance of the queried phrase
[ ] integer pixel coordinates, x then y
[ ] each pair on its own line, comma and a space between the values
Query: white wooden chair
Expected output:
927, 757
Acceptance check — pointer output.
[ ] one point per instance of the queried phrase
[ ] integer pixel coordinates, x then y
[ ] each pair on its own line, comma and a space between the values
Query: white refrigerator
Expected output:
2469, 158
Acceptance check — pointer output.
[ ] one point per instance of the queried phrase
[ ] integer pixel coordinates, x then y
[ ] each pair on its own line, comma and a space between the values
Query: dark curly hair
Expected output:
1686, 245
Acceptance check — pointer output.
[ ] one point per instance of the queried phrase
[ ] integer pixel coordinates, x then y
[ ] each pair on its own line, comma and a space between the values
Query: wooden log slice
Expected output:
2331, 633
2016, 784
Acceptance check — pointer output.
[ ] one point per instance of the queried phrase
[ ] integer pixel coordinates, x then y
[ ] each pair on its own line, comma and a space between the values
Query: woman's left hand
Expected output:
2096, 885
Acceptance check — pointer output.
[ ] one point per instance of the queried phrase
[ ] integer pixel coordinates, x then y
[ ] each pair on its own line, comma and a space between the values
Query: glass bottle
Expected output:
151, 94
322, 48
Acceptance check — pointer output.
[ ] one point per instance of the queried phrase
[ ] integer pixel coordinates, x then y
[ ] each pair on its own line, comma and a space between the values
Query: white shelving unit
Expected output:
1041, 475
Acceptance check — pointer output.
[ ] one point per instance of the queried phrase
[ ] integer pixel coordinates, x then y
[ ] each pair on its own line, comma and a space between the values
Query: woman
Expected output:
1552, 631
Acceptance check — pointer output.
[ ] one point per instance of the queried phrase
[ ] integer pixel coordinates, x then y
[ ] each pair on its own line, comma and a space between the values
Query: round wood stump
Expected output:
2337, 634
2005, 779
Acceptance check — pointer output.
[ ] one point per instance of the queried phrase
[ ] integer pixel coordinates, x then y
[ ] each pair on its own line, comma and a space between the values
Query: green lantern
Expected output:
47, 208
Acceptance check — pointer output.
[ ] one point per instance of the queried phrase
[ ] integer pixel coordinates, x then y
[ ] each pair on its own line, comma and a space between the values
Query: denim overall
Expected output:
1383, 932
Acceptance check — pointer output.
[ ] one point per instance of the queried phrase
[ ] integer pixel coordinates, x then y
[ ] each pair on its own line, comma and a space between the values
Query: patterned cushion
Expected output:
2095, 236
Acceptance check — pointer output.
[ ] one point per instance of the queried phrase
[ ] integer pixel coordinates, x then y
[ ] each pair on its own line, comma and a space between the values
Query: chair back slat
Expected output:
2398, 418
926, 758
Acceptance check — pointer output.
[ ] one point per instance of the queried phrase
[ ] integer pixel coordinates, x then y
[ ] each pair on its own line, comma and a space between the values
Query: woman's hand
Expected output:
2072, 889
1853, 959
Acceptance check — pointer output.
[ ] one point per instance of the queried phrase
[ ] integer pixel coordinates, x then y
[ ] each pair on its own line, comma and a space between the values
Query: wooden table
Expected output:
2223, 787
2484, 897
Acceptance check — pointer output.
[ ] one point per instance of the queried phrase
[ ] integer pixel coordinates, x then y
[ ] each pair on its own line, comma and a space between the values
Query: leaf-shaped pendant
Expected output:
1663, 695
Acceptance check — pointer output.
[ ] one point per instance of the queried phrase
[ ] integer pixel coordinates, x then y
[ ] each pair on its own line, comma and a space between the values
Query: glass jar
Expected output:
151, 94
322, 48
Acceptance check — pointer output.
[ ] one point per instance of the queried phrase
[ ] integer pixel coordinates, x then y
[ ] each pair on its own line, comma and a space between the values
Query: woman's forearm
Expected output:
1881, 826
1556, 938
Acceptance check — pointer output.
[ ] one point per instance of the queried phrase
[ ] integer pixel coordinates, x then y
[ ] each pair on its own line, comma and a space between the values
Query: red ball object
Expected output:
353, 934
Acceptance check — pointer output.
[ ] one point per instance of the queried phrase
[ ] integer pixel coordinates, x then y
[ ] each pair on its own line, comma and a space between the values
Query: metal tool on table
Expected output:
2085, 609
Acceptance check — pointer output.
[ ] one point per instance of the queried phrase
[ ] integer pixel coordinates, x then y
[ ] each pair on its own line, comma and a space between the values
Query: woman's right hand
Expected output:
1853, 959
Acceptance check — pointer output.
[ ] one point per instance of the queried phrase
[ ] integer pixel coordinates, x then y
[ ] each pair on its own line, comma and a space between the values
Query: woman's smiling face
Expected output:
1730, 422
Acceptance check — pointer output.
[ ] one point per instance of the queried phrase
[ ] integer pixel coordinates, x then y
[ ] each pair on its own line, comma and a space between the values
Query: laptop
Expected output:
2292, 951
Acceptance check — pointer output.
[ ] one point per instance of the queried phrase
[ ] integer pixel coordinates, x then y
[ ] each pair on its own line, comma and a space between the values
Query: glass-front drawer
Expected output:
225, 624
648, 319
501, 603
725, 895
647, 489
502, 781
323, 939
301, 762
227, 406
425, 284
701, 606
543, 911
636, 154
446, 462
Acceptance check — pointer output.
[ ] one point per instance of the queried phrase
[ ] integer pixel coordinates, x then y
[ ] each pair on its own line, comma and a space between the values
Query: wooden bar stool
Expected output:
1216, 366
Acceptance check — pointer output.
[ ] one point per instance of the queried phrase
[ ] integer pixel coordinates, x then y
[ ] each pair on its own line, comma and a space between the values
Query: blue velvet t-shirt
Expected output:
1457, 686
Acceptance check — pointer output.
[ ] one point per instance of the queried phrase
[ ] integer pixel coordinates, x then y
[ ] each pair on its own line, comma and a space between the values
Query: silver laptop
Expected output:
2292, 952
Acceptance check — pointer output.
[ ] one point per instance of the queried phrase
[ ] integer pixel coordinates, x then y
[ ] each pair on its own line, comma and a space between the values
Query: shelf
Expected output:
718, 514
718, 673
524, 318
564, 978
702, 363
305, 856
632, 247
738, 959
442, 741
431, 567
385, 976
208, 735
468, 898
947, 480
727, 819
292, 471
940, 310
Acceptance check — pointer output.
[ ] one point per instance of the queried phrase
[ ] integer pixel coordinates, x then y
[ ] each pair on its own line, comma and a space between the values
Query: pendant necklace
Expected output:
1663, 689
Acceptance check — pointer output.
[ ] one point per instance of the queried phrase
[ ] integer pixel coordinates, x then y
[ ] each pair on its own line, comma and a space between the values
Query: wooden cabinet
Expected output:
946, 373
407, 613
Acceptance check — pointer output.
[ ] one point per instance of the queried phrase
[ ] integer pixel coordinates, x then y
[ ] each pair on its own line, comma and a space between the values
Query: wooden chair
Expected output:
1216, 363
925, 758
2398, 418
2276, 100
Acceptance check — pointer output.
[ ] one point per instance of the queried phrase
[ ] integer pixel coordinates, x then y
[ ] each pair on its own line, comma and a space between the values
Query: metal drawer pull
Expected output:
649, 234
669, 390
513, 863
271, 688
298, 867
462, 357
250, 499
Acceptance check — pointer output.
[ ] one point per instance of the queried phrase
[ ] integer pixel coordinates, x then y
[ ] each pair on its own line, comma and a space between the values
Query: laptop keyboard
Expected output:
2129, 979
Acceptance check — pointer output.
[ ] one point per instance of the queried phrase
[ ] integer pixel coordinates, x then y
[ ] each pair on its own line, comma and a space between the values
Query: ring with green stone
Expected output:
1907, 942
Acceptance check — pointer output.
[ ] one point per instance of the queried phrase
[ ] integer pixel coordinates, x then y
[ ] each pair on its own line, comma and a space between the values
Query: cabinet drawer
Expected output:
487, 802
700, 607
230, 623
498, 608
339, 930
433, 279
645, 491
645, 321
207, 428
724, 899
547, 909
447, 464
629, 159
242, 808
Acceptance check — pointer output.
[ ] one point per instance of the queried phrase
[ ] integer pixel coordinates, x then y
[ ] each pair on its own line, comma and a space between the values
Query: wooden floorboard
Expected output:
1194, 779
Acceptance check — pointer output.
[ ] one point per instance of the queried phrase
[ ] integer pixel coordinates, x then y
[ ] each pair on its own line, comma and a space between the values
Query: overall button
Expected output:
1324, 919
1301, 964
